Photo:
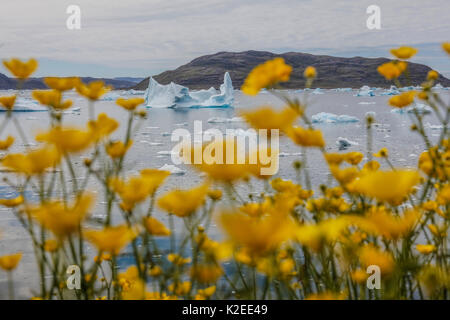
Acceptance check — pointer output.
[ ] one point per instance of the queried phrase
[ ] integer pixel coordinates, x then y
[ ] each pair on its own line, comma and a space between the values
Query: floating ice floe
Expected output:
324, 117
344, 143
417, 107
317, 91
111, 96
343, 89
166, 134
365, 91
172, 169
392, 91
367, 102
133, 92
26, 105
176, 96
225, 120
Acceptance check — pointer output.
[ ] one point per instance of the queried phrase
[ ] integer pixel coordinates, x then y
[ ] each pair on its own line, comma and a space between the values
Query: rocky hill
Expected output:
333, 72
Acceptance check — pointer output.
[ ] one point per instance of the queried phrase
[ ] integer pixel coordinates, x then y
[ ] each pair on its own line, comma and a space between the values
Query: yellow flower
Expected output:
103, 126
14, 202
206, 273
33, 162
205, 293
383, 153
306, 137
180, 289
8, 102
93, 91
51, 98
392, 70
443, 196
344, 176
359, 276
10, 262
370, 255
178, 260
402, 100
110, 239
215, 194
130, 104
155, 227
20, 69
432, 75
404, 52
446, 47
425, 248
437, 231
67, 139
268, 118
5, 144
266, 75
327, 295
183, 203
51, 245
137, 189
354, 157
60, 219
117, 149
62, 84
387, 186
155, 271
310, 72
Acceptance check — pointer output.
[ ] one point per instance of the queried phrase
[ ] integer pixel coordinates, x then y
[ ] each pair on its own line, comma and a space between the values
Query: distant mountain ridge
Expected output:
38, 83
333, 72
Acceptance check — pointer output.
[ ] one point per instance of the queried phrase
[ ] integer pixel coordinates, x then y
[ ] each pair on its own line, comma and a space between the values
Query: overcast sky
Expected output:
141, 38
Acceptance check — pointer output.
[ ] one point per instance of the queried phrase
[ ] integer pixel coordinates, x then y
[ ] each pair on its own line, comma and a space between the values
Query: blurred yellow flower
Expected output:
93, 91
62, 84
178, 260
20, 69
432, 75
59, 218
310, 72
67, 139
359, 276
370, 255
5, 144
446, 47
327, 295
266, 75
215, 194
110, 239
306, 137
33, 162
103, 126
268, 118
183, 203
392, 70
344, 176
51, 245
426, 248
117, 149
206, 273
402, 100
130, 104
51, 98
10, 262
13, 202
383, 153
205, 293
155, 227
8, 102
387, 186
404, 52
354, 157
180, 289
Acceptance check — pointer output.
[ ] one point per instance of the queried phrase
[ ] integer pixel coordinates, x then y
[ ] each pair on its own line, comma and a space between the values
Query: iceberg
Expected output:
26, 105
111, 96
176, 96
172, 169
393, 91
344, 143
365, 91
418, 107
324, 117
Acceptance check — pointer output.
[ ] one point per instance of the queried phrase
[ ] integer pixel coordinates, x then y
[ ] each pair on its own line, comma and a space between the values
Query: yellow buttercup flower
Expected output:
155, 227
67, 139
130, 104
432, 75
5, 144
180, 289
268, 118
215, 194
404, 52
446, 47
387, 186
426, 248
62, 84
117, 149
51, 245
310, 72
383, 153
354, 157
344, 176
402, 100
13, 202
178, 260
93, 91
110, 239
103, 126
8, 102
60, 219
306, 137
370, 255
51, 98
183, 203
392, 70
33, 162
266, 75
206, 293
206, 273
371, 166
359, 276
10, 262
20, 69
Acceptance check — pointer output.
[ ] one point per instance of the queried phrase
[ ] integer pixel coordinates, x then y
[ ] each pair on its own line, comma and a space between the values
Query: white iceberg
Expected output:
324, 117
392, 91
176, 96
111, 96
225, 120
172, 169
418, 107
26, 105
344, 143
365, 91
317, 91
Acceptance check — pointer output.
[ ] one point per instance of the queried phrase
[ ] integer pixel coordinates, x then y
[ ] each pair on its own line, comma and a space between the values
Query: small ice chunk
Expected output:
344, 143
165, 134
324, 117
172, 169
